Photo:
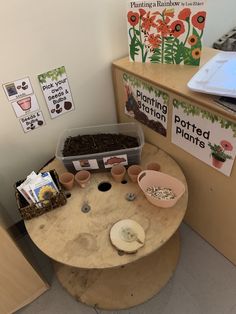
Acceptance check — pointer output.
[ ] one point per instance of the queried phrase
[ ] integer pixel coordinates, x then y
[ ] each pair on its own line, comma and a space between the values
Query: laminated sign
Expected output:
166, 31
56, 90
205, 135
145, 103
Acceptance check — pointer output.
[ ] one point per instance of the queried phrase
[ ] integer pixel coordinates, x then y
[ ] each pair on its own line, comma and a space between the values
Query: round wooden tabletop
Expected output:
74, 238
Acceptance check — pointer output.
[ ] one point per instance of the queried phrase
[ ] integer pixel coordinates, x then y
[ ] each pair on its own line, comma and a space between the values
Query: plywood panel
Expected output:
19, 282
76, 239
126, 286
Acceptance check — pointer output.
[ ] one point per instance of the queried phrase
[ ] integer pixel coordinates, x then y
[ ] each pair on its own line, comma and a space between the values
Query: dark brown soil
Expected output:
97, 143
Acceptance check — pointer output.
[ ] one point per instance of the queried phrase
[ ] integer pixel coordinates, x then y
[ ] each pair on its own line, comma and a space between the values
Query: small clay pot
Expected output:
118, 172
82, 178
67, 180
153, 166
134, 171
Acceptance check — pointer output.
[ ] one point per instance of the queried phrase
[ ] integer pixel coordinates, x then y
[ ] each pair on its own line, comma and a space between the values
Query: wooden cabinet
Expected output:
19, 282
212, 198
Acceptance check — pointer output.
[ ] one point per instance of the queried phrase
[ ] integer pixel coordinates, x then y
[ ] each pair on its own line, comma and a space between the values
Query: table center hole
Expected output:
104, 186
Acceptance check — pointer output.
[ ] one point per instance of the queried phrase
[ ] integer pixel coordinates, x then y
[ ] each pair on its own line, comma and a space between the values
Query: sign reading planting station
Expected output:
146, 103
205, 135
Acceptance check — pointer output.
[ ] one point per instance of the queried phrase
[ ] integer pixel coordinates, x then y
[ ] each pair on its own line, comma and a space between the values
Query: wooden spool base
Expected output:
125, 286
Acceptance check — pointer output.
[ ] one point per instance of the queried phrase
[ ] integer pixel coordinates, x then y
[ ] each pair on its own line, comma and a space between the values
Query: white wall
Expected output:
36, 36
84, 36
221, 18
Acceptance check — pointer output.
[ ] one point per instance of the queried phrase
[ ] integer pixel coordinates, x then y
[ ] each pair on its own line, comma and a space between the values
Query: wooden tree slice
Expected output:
127, 235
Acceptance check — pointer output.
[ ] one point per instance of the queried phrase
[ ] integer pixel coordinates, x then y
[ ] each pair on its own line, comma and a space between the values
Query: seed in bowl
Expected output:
161, 192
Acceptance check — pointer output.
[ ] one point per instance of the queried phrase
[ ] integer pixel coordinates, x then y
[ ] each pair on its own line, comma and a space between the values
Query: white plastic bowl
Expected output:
149, 178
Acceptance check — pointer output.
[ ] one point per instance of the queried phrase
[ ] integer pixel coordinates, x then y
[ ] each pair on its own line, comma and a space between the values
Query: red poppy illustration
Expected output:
198, 20
184, 14
133, 18
148, 22
142, 12
154, 41
177, 28
226, 145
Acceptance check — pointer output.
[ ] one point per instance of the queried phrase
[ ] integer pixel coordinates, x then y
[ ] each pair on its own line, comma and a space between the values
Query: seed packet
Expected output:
44, 188
25, 189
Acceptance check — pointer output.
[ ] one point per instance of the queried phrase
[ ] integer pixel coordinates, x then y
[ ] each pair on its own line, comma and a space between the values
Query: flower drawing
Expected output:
198, 20
192, 40
184, 14
226, 145
177, 28
46, 193
133, 18
218, 152
154, 41
166, 36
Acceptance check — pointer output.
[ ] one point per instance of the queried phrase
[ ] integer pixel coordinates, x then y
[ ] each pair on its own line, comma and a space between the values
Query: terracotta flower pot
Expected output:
217, 163
82, 178
133, 172
153, 166
67, 180
118, 172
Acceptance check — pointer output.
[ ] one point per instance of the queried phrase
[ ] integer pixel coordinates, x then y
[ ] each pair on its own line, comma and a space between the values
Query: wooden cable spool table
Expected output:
87, 265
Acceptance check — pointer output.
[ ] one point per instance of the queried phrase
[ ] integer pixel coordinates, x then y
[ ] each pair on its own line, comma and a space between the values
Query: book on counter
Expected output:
166, 31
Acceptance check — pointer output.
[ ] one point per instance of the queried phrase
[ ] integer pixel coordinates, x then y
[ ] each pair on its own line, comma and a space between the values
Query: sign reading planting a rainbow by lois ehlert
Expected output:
166, 31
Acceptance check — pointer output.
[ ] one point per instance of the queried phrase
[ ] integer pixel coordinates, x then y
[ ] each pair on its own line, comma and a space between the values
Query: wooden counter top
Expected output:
174, 78
74, 238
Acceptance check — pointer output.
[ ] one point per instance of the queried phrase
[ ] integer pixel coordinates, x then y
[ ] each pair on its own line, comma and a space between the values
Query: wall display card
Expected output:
25, 105
166, 31
146, 103
114, 160
56, 91
85, 164
18, 89
205, 135
32, 121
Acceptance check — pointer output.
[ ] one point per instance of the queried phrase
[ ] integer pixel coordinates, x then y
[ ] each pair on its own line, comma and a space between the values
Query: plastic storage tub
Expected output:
104, 160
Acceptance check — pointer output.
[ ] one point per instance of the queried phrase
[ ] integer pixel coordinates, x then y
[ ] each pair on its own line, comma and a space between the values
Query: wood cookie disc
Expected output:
127, 235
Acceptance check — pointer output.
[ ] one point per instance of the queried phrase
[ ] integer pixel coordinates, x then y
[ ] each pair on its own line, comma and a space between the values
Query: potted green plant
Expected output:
218, 153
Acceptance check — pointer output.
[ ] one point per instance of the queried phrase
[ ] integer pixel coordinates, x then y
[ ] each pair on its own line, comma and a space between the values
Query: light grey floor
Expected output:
204, 283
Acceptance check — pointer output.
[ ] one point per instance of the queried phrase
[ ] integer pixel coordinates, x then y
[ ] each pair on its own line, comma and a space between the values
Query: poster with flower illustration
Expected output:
166, 31
205, 135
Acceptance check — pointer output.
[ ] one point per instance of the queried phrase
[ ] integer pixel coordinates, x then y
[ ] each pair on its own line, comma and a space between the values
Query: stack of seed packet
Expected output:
38, 189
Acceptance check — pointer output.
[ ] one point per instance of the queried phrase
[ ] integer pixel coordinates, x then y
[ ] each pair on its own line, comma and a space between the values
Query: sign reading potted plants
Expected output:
205, 135
166, 31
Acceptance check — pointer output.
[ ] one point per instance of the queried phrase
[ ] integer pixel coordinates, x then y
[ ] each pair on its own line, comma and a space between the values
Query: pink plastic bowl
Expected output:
149, 178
